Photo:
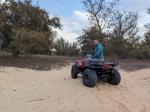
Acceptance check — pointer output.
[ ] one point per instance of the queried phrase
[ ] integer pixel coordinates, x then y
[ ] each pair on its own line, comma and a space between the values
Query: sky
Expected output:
74, 18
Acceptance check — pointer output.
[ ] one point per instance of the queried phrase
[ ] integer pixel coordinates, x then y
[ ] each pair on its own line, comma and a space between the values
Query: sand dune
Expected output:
24, 90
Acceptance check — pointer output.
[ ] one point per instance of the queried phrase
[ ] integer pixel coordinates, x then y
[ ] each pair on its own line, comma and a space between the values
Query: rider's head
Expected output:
95, 41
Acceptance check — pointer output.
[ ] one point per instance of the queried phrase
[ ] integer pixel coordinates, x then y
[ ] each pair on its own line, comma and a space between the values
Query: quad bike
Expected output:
94, 69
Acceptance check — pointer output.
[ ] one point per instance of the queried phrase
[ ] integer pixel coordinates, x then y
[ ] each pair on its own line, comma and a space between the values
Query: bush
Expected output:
142, 53
32, 42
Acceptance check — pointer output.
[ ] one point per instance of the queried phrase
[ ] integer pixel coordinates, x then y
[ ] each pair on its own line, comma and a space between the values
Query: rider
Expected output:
98, 50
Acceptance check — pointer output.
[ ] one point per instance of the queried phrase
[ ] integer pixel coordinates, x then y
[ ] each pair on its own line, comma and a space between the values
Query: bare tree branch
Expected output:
100, 12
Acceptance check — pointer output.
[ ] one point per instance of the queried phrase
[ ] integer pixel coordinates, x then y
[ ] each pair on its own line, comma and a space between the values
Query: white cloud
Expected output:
143, 20
72, 27
142, 29
147, 17
139, 6
2, 1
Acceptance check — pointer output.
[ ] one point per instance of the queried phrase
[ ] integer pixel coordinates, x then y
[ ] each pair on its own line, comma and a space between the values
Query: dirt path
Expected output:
24, 90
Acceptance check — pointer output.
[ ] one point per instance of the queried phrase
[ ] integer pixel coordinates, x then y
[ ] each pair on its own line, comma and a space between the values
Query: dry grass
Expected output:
131, 64
37, 62
46, 62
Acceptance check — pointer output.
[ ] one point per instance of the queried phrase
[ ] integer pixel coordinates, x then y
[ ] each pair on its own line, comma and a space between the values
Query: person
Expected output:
98, 51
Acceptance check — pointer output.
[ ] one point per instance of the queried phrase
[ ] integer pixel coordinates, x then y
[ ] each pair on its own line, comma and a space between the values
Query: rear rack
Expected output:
97, 62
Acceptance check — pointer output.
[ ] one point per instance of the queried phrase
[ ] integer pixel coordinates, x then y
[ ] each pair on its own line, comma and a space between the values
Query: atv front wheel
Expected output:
74, 71
115, 77
89, 78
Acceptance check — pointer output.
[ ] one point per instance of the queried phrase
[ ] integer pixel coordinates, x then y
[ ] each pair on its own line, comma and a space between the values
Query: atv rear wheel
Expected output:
115, 77
74, 71
89, 78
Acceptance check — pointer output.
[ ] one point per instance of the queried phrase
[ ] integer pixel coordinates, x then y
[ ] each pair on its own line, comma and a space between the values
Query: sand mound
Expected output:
24, 90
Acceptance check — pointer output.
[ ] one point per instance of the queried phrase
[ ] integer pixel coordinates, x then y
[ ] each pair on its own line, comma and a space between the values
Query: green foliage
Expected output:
29, 41
86, 39
64, 48
23, 16
121, 41
124, 36
143, 50
142, 53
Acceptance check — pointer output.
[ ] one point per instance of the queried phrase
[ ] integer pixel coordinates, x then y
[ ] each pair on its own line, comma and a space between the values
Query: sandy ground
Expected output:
24, 90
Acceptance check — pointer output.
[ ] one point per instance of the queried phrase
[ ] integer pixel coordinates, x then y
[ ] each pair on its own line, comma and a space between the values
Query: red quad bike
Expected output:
94, 69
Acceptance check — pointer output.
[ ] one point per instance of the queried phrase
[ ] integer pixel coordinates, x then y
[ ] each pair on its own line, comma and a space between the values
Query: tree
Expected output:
147, 26
124, 35
101, 12
86, 39
64, 48
100, 16
23, 16
31, 42
143, 51
147, 34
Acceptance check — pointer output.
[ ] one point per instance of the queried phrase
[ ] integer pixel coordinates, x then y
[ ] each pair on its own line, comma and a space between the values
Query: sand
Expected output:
26, 90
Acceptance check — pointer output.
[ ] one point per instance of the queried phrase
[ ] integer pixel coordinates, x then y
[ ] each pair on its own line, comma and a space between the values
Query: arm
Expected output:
98, 50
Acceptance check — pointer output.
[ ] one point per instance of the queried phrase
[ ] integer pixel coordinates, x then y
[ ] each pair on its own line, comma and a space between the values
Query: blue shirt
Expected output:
98, 52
